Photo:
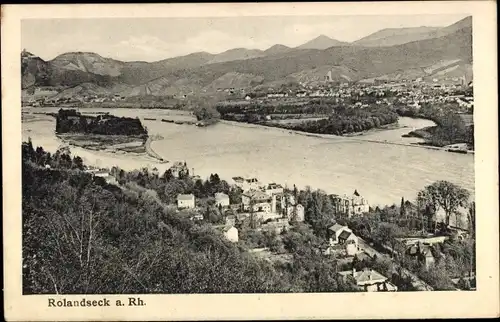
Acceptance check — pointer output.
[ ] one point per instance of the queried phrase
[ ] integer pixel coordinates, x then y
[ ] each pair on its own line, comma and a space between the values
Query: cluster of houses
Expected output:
411, 93
342, 241
268, 204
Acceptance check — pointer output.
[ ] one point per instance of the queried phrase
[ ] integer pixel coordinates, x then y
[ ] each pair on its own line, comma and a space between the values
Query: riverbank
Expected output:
332, 163
427, 134
333, 136
387, 127
110, 143
150, 151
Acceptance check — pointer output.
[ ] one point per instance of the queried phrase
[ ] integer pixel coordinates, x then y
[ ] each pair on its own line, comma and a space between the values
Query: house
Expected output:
231, 233
196, 217
342, 235
221, 199
408, 242
370, 280
185, 201
230, 220
179, 168
350, 242
248, 97
277, 226
273, 188
335, 231
246, 184
259, 200
423, 253
251, 183
352, 205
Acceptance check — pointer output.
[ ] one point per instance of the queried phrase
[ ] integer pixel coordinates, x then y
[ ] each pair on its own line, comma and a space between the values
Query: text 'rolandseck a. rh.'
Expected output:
131, 301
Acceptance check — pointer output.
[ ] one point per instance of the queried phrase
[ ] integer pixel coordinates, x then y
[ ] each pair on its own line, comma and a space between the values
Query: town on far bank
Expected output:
321, 106
395, 248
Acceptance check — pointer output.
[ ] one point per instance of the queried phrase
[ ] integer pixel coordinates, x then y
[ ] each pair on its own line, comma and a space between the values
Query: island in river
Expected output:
103, 132
382, 165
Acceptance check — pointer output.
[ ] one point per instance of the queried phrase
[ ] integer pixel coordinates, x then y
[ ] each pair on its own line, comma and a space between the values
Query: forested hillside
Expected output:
83, 236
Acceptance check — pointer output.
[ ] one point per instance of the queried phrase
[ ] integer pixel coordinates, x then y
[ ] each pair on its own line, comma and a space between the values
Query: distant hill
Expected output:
162, 87
339, 73
34, 70
398, 36
88, 62
236, 80
236, 54
362, 62
136, 73
204, 72
85, 89
277, 49
322, 42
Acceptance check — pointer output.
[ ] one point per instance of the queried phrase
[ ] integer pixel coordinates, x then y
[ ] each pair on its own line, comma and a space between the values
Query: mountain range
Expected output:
403, 52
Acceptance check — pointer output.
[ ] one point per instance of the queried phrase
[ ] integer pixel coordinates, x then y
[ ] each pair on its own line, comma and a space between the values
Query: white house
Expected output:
350, 242
370, 280
335, 231
353, 205
231, 233
185, 201
259, 199
221, 199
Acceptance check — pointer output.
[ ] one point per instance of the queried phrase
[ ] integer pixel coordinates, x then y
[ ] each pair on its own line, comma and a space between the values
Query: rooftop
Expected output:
336, 227
185, 197
344, 235
366, 276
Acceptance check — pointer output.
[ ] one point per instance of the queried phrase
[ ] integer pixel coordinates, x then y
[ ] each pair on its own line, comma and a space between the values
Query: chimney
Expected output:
370, 274
354, 272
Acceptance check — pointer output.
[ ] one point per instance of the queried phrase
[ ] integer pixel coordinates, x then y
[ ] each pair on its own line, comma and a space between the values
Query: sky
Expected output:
152, 39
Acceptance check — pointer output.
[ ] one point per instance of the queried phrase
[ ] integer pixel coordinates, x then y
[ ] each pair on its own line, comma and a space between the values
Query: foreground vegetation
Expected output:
83, 236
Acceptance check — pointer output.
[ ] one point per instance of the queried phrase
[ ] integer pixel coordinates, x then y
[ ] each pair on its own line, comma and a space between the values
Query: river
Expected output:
382, 172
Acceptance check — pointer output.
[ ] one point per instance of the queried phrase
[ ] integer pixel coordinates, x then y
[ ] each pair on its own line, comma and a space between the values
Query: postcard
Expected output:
250, 161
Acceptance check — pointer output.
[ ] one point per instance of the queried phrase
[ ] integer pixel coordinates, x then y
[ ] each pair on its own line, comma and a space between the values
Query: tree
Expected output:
387, 233
471, 219
426, 209
402, 210
447, 196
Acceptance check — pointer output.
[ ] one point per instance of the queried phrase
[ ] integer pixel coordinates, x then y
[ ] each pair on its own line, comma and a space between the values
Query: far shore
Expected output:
351, 137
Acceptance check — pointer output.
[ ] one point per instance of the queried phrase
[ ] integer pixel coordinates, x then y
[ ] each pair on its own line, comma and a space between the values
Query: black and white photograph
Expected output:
265, 154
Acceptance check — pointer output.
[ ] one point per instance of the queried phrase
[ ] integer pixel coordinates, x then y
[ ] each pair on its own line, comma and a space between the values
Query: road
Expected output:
416, 281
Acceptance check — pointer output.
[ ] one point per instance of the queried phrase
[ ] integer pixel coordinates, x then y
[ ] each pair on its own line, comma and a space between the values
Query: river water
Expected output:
382, 172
